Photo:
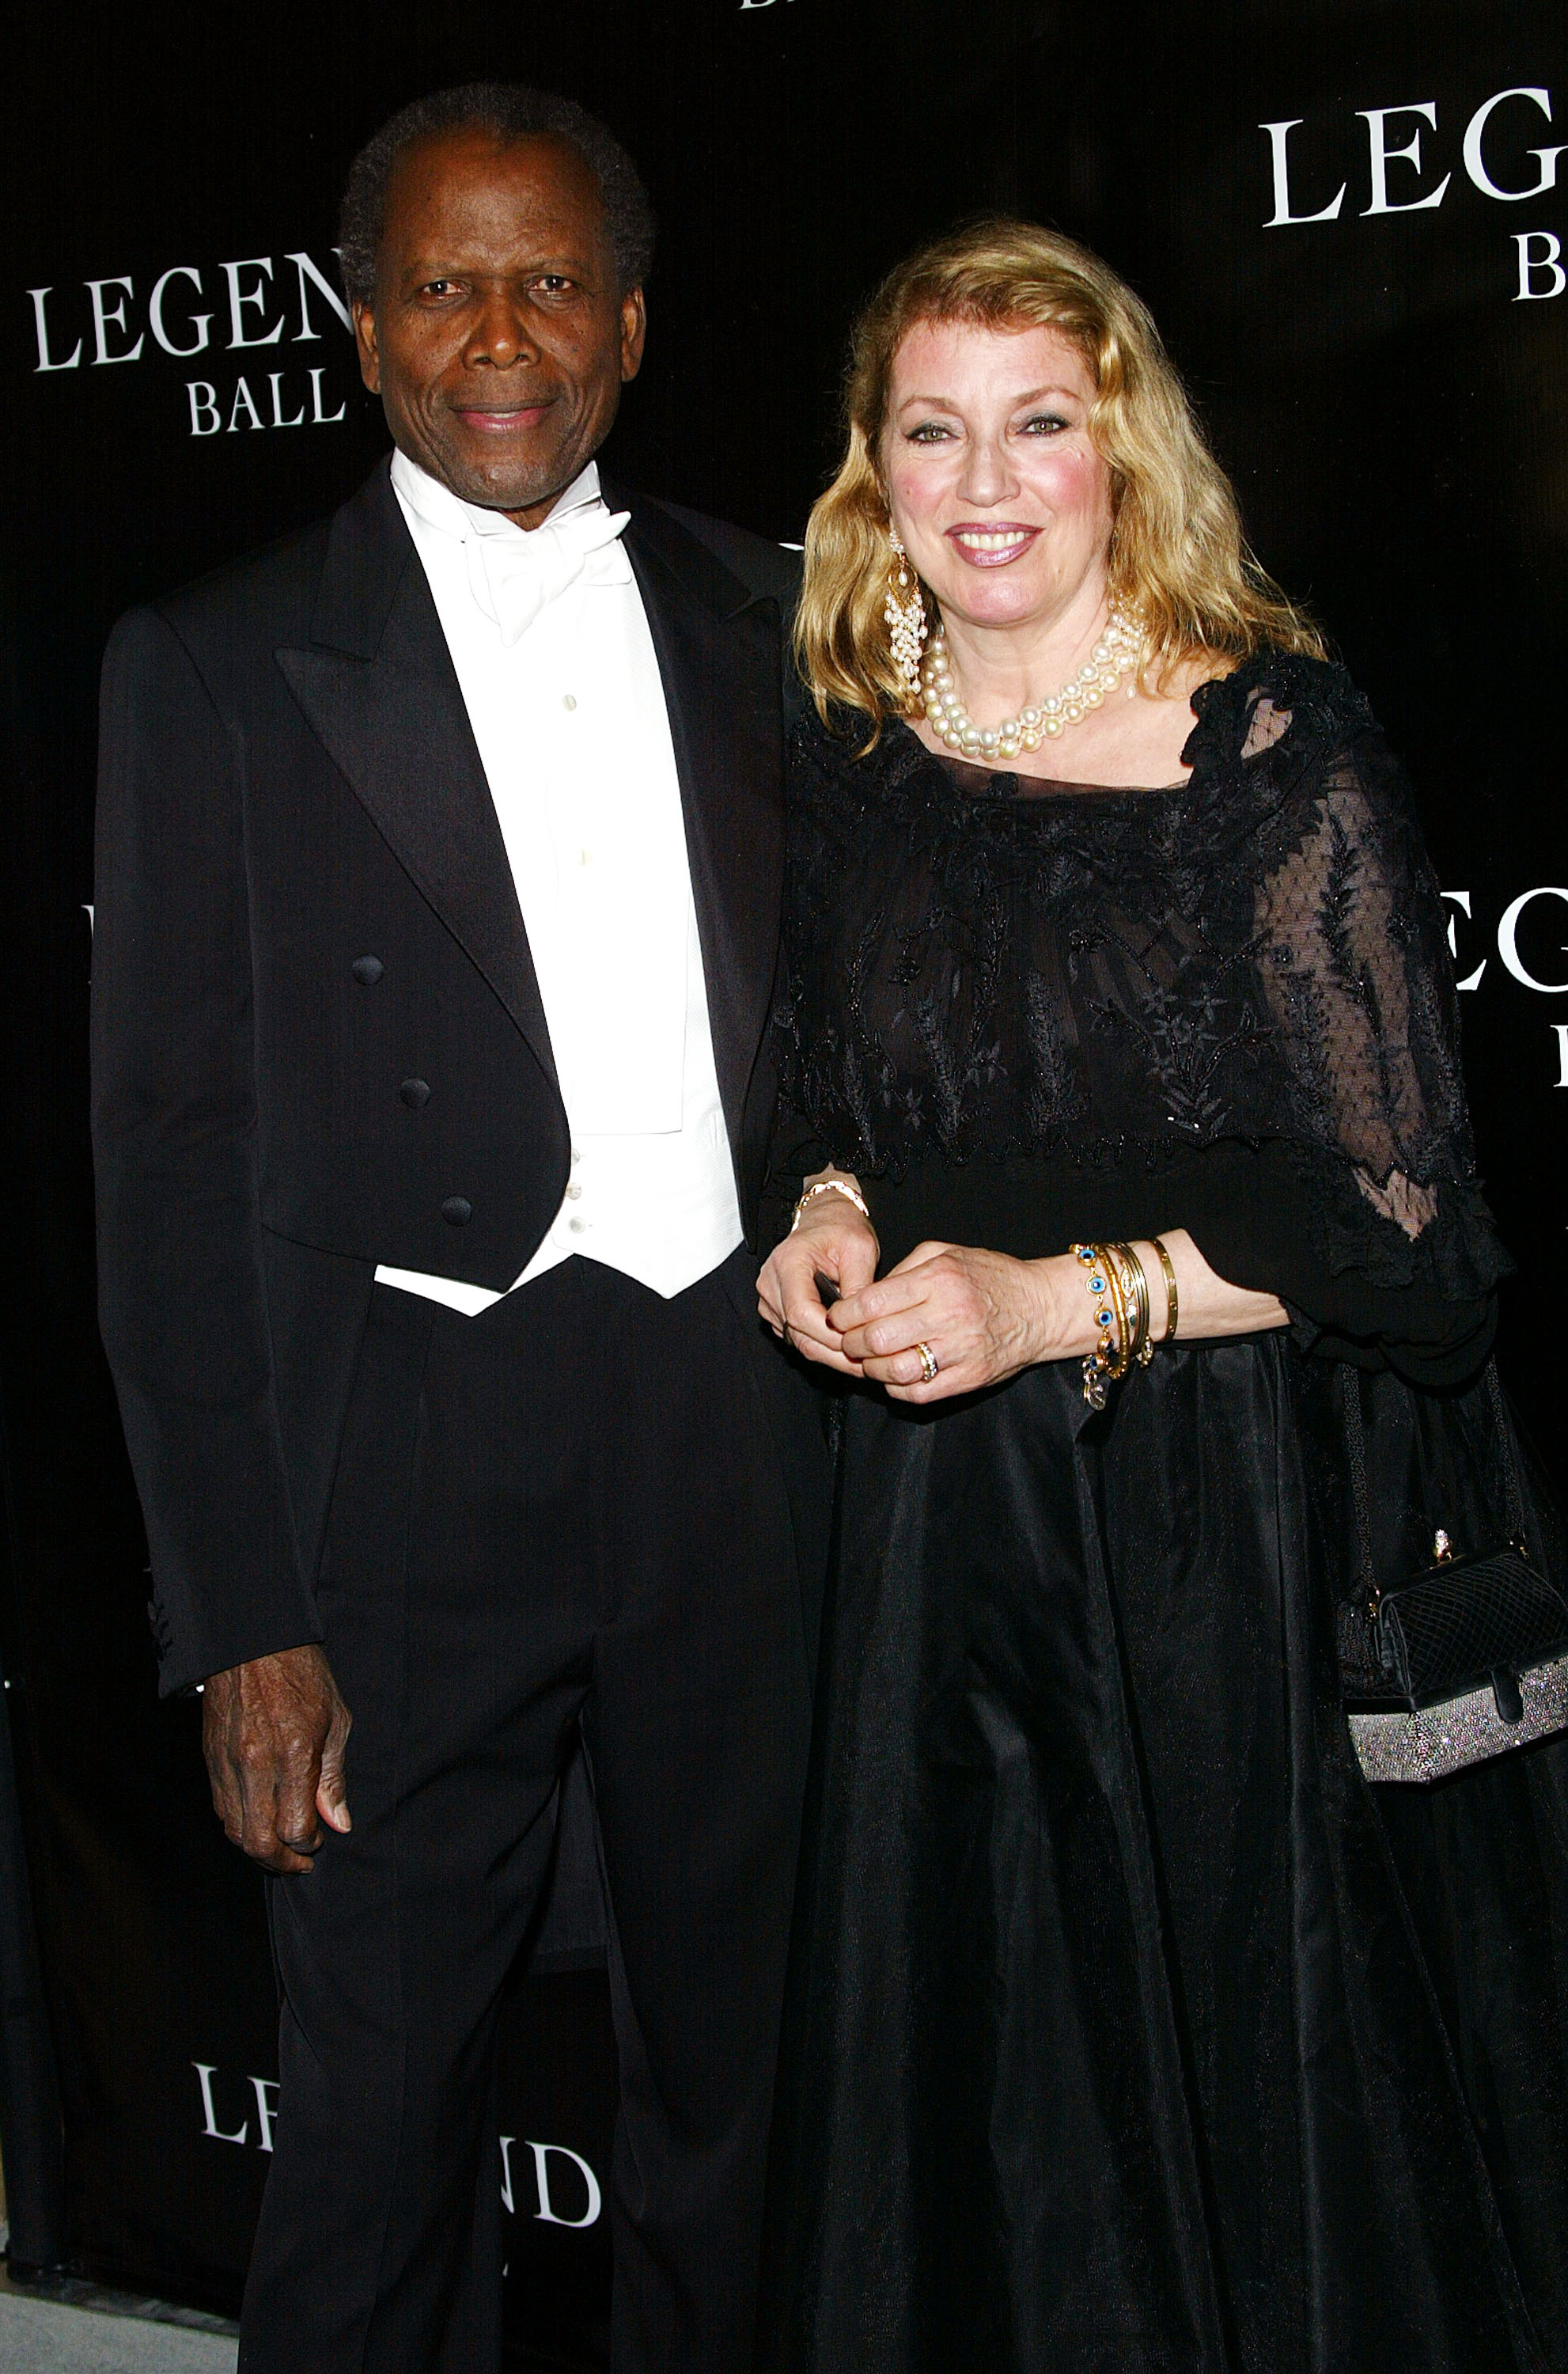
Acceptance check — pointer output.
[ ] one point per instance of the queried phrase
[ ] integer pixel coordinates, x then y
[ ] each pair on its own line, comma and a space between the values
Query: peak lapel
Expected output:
718, 651
379, 690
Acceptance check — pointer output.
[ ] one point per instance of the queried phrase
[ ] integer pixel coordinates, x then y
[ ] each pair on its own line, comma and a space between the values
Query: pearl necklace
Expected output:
1118, 649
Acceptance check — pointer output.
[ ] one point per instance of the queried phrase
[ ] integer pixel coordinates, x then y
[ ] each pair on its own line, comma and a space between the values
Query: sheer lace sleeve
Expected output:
1355, 965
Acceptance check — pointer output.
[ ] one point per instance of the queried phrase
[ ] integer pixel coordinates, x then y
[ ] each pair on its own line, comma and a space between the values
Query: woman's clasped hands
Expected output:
980, 1317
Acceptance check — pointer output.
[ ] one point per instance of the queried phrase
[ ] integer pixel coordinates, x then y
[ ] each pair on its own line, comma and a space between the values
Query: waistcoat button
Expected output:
457, 1211
416, 1093
366, 971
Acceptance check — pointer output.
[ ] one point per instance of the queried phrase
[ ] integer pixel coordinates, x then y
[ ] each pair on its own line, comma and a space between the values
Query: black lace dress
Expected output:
1130, 2032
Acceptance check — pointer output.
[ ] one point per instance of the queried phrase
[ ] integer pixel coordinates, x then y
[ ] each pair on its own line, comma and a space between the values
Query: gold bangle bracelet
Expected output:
1112, 1364
1116, 1279
1172, 1305
1135, 1287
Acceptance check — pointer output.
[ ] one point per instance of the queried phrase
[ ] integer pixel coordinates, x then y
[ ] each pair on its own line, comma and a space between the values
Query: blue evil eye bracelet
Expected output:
1119, 1286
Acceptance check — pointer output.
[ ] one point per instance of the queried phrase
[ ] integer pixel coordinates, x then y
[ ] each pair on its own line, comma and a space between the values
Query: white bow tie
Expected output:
514, 577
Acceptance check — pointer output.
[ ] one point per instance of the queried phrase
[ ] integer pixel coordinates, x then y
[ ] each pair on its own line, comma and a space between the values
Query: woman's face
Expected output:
994, 486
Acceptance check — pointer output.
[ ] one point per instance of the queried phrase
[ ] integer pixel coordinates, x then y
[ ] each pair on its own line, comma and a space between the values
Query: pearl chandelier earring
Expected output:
906, 615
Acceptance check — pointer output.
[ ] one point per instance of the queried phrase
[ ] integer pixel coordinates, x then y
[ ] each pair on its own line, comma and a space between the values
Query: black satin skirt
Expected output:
1131, 2031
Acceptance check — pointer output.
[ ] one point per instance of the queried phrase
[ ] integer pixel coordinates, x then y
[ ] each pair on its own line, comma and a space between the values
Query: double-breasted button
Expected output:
416, 1093
366, 971
457, 1211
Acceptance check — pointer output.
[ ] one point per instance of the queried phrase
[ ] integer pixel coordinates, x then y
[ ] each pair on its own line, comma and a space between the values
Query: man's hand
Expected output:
274, 1733
835, 1242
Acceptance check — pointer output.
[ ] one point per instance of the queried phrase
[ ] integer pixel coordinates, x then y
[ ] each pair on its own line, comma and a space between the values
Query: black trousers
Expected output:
575, 1507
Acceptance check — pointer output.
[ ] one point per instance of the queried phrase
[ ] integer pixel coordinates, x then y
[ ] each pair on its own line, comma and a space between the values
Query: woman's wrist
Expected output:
830, 1205
1065, 1316
1069, 1328
828, 1188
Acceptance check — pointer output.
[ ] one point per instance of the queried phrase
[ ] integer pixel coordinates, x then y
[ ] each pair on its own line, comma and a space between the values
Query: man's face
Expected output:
497, 339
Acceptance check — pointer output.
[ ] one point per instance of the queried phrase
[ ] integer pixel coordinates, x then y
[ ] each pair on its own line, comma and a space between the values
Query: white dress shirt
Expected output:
557, 667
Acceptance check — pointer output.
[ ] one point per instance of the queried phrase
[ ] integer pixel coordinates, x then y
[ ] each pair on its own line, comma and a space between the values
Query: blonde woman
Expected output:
1130, 2030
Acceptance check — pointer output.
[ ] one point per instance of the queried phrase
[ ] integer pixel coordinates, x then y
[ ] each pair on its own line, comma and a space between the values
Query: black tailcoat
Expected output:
306, 920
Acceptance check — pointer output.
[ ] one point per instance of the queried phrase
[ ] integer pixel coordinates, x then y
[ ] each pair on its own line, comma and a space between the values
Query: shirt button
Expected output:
576, 1225
457, 1211
585, 857
569, 700
573, 1190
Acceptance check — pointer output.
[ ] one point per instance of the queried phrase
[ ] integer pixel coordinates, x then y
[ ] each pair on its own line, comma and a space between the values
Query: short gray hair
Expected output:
509, 111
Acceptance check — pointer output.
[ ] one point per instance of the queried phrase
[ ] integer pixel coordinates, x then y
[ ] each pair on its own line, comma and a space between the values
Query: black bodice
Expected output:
984, 969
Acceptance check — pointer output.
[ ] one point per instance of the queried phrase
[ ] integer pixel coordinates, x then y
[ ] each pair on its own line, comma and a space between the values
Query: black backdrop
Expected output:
1387, 383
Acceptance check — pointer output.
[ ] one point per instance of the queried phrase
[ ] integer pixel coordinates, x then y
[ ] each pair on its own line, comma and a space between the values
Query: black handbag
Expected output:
1462, 1661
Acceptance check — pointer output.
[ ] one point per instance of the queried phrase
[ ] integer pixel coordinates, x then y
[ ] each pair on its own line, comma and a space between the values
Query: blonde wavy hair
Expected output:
1178, 560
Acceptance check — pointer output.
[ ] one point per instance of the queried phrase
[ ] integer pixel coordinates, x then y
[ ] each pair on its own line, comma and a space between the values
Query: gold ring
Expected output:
929, 1364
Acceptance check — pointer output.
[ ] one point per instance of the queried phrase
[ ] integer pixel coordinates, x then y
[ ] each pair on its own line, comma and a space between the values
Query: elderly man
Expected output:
439, 879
